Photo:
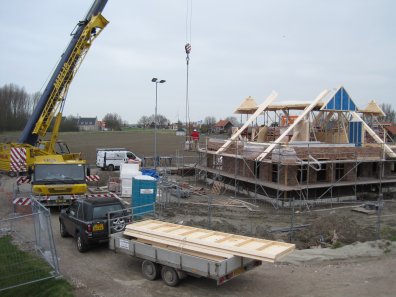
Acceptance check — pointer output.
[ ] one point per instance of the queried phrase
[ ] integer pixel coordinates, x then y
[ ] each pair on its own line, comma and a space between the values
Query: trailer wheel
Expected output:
110, 167
150, 270
169, 276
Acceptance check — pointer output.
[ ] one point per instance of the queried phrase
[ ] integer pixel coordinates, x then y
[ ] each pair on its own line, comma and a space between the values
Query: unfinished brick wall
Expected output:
350, 172
238, 167
209, 161
265, 171
291, 178
390, 169
364, 170
338, 153
229, 165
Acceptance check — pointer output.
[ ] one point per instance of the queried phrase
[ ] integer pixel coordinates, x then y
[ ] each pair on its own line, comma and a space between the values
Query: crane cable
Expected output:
187, 49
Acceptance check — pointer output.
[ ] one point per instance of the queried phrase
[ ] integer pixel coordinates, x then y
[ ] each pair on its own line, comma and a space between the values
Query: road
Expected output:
101, 272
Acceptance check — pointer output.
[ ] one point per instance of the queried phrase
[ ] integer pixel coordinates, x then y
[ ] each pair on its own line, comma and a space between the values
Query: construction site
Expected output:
296, 191
324, 151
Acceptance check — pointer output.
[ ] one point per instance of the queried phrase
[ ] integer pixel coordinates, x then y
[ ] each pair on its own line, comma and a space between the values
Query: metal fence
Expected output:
27, 248
325, 223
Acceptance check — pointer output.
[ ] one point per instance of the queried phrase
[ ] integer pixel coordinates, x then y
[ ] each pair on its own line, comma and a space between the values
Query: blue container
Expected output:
144, 191
150, 172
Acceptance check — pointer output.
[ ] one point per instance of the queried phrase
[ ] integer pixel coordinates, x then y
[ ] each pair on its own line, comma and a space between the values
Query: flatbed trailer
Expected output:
174, 264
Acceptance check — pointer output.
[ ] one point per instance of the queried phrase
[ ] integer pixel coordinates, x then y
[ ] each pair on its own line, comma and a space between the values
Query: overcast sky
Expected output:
239, 48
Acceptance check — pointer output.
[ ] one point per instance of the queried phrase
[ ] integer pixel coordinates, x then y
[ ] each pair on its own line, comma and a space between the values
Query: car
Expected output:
87, 220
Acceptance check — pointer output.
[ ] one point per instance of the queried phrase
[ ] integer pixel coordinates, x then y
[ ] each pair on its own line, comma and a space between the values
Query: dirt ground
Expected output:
356, 270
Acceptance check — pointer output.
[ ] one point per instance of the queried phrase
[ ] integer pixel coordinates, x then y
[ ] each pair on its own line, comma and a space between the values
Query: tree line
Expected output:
149, 121
17, 105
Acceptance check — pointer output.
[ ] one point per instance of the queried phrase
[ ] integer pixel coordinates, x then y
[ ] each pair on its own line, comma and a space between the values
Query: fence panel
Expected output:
25, 241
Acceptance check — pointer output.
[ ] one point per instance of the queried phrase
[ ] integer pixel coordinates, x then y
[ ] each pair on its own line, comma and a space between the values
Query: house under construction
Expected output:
326, 150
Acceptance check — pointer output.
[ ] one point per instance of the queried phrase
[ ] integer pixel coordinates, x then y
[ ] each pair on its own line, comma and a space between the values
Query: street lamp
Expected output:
156, 81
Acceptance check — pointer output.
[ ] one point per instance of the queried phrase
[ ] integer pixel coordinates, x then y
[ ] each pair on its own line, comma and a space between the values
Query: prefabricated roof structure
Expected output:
248, 106
374, 109
294, 105
339, 100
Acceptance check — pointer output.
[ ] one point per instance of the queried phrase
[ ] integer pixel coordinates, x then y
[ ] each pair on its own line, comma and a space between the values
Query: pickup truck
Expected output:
88, 220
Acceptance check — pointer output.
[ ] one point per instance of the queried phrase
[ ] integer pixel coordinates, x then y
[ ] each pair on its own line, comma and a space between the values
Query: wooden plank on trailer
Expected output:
181, 246
184, 251
203, 239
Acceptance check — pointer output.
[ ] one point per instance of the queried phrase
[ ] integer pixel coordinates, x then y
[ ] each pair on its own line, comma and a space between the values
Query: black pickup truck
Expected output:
87, 220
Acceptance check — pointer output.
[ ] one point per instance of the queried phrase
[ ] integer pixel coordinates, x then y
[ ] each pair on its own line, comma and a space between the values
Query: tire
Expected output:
81, 245
62, 230
110, 167
117, 224
170, 276
150, 270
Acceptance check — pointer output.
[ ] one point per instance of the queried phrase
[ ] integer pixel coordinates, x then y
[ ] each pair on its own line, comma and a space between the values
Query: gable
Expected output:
340, 101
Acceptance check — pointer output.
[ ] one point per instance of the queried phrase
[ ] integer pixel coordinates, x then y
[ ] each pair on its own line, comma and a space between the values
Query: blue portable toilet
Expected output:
144, 191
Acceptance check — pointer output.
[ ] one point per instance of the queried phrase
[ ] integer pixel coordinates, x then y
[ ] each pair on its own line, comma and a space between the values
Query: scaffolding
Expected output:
323, 154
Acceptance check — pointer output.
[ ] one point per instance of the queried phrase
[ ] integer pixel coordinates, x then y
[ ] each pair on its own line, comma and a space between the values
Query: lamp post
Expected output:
156, 81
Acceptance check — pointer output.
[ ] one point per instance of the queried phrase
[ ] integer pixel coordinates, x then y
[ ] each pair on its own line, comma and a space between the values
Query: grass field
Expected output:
18, 267
139, 141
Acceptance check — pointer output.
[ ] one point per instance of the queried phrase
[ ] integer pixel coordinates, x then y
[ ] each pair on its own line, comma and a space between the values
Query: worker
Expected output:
195, 138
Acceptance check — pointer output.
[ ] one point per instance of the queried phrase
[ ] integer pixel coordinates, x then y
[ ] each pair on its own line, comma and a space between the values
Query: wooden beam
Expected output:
225, 238
259, 110
387, 148
291, 127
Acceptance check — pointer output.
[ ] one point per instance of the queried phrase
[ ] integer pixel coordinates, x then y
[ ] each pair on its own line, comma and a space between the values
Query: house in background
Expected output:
391, 130
223, 126
101, 125
88, 124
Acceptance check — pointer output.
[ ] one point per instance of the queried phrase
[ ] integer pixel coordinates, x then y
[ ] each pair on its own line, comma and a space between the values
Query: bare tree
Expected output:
144, 122
34, 98
69, 124
233, 120
210, 121
15, 107
113, 121
390, 113
208, 124
149, 121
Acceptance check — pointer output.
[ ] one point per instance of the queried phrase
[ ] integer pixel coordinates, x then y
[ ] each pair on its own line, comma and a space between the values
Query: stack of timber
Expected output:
207, 243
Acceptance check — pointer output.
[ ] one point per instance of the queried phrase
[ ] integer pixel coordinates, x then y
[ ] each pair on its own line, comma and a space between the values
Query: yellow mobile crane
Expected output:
57, 173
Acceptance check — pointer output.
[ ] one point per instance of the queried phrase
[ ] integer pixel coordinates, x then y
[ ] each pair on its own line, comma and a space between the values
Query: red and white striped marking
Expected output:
22, 201
22, 180
92, 178
18, 159
106, 195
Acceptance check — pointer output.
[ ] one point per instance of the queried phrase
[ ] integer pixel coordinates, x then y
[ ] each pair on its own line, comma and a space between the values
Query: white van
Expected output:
112, 158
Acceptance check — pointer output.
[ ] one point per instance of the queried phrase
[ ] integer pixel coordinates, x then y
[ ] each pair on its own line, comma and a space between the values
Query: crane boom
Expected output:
52, 99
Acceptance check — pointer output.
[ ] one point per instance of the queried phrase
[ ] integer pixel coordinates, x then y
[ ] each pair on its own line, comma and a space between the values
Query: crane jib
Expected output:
27, 135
